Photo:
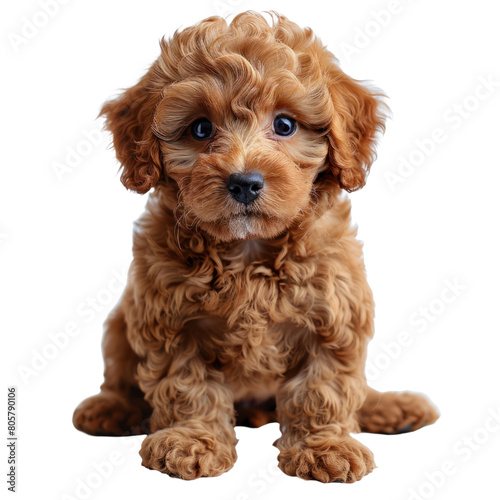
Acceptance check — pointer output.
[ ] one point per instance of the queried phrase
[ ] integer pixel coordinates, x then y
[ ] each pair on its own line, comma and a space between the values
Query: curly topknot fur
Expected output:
245, 312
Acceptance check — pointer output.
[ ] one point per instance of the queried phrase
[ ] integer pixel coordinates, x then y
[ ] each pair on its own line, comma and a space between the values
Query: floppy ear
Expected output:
358, 115
129, 118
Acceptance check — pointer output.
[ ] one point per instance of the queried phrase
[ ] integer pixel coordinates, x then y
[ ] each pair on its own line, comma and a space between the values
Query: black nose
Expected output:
245, 187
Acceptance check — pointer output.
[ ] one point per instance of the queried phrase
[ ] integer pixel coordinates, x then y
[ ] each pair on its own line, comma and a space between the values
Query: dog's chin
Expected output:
244, 227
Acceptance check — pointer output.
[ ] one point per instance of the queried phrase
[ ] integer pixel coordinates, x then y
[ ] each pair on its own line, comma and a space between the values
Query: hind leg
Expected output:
395, 412
252, 413
119, 409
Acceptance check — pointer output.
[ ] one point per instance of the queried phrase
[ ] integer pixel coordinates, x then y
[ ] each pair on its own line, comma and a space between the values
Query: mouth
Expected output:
250, 210
246, 223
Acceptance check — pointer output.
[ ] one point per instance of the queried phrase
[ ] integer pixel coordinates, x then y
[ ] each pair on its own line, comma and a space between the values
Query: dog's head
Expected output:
247, 119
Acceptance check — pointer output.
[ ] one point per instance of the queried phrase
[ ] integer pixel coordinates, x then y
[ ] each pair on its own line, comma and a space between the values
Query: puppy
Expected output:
247, 300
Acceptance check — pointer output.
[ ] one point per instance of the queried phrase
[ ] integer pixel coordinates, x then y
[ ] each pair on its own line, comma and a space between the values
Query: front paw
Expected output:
187, 453
329, 459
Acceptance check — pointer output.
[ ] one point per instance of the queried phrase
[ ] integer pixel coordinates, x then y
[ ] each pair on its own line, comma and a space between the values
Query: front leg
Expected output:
193, 415
316, 411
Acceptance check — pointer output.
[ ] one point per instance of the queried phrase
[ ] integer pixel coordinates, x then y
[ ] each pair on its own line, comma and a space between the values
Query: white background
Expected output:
65, 239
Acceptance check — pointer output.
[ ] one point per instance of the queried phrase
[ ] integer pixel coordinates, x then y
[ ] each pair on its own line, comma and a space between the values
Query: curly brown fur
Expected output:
245, 306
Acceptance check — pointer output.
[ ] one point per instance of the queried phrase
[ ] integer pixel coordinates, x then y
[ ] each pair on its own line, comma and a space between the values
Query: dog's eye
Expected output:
202, 129
284, 125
